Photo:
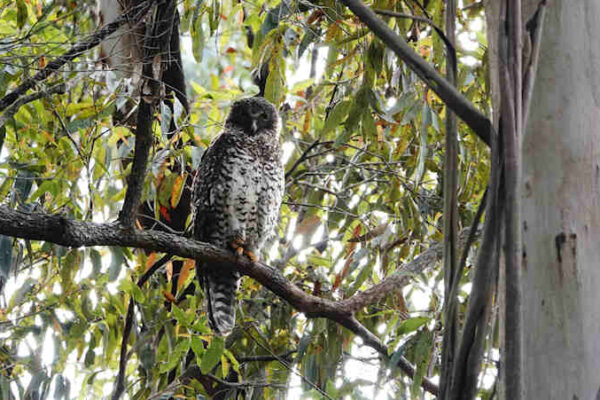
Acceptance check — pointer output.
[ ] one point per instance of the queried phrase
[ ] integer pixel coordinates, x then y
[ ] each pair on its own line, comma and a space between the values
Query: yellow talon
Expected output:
238, 244
250, 255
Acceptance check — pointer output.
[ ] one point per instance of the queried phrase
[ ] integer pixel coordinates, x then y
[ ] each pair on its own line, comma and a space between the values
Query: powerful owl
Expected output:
237, 194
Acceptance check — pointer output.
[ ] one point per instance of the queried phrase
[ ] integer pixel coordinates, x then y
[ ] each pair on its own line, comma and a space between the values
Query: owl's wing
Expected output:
219, 284
207, 177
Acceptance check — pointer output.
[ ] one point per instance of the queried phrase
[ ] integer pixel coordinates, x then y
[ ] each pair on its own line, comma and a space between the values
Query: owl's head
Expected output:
253, 116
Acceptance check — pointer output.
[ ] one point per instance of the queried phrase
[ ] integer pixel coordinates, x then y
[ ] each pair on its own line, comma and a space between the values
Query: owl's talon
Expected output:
250, 255
237, 243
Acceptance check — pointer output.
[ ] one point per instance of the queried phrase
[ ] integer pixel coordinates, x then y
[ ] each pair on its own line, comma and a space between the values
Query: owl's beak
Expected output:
254, 126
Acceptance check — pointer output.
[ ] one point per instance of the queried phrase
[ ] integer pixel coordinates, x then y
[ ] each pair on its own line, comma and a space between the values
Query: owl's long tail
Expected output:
220, 287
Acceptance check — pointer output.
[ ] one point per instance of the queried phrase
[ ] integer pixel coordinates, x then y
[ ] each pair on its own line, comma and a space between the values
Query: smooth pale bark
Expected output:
561, 209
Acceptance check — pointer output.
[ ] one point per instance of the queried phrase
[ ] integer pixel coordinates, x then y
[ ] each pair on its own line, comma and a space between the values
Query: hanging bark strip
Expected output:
511, 115
158, 36
135, 14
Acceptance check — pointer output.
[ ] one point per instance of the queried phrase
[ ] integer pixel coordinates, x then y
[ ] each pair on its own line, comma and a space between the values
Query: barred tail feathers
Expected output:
220, 288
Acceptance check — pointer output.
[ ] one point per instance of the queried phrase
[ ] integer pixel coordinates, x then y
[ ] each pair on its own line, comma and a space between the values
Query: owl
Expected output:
238, 190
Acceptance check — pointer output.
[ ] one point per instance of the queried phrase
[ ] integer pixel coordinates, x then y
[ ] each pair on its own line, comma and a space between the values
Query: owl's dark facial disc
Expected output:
253, 116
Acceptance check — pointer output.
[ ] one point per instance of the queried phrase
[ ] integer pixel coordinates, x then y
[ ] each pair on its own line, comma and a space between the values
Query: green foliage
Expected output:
374, 172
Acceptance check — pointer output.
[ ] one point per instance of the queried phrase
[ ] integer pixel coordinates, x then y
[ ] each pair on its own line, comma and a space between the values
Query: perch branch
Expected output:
135, 14
71, 233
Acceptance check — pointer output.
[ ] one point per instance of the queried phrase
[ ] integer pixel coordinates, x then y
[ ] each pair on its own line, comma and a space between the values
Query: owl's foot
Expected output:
250, 255
239, 246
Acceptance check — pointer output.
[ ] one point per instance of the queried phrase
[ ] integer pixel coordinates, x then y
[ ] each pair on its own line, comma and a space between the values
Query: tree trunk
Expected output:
561, 209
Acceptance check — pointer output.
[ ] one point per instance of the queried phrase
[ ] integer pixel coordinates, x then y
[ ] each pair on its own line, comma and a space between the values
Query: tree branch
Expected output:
449, 44
511, 115
13, 108
135, 14
66, 232
398, 280
465, 372
478, 122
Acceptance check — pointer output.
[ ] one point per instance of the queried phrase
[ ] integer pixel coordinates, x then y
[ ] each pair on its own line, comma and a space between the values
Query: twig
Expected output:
301, 159
120, 381
478, 122
13, 108
287, 364
266, 358
244, 384
449, 43
135, 14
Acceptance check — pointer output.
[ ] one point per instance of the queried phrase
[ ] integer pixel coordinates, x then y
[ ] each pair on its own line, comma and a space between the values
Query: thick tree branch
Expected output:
66, 232
135, 14
478, 122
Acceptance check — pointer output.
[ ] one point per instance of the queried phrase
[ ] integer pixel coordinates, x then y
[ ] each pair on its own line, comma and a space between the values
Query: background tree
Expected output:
356, 281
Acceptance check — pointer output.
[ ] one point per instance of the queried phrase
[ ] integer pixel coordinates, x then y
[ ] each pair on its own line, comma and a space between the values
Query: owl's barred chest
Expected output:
248, 195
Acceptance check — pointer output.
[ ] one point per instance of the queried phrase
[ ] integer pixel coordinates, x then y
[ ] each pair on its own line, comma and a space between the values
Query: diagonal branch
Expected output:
135, 14
478, 122
67, 232
71, 233
400, 279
